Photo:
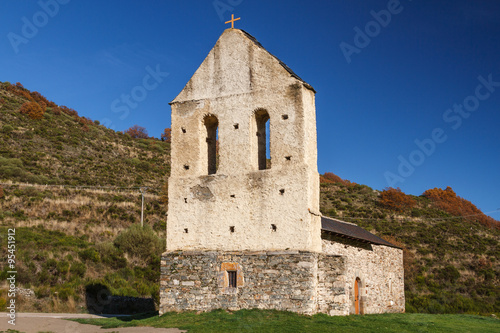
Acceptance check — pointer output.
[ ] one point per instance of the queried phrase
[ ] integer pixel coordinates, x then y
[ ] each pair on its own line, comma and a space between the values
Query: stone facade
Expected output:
302, 282
283, 280
379, 270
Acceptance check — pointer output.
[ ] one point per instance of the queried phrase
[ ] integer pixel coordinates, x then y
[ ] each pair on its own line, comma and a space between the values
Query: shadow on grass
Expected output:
99, 300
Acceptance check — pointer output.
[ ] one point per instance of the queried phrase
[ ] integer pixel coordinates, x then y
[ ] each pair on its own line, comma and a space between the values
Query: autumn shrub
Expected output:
56, 110
448, 201
40, 99
167, 135
32, 109
394, 198
68, 111
2, 194
137, 132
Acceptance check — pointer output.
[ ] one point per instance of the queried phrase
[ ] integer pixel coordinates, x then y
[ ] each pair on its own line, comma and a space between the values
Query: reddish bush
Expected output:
33, 110
19, 90
137, 132
448, 201
56, 110
167, 135
394, 198
43, 105
331, 178
68, 111
1, 192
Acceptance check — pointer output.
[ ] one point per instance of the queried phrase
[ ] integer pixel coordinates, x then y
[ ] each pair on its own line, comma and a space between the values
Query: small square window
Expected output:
236, 126
232, 279
231, 228
183, 130
284, 117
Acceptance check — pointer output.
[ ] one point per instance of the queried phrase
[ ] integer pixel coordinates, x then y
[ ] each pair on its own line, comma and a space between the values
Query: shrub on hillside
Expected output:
111, 255
7, 129
78, 269
332, 178
167, 135
90, 254
32, 109
394, 198
140, 242
450, 202
137, 132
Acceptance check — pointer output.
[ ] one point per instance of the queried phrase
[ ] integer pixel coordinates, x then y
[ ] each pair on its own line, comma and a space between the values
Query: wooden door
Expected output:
356, 295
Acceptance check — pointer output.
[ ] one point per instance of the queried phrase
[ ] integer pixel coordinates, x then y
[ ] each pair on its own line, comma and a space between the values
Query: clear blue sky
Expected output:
401, 79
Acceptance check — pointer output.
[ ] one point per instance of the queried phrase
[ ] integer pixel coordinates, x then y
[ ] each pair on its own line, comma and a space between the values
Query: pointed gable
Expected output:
237, 64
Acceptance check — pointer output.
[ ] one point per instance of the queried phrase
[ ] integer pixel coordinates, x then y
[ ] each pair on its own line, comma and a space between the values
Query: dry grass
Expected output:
99, 213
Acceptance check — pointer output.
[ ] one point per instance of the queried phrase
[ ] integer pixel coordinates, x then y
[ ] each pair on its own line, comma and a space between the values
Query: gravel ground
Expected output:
54, 322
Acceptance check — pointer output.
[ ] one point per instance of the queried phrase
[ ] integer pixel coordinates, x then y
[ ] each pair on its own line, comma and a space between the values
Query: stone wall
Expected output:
380, 270
286, 280
331, 288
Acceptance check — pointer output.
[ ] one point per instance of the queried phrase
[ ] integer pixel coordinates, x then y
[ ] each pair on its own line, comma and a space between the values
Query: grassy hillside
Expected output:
63, 148
68, 236
82, 233
451, 263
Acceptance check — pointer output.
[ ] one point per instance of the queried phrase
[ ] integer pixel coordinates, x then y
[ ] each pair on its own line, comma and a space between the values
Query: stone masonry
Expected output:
380, 271
283, 280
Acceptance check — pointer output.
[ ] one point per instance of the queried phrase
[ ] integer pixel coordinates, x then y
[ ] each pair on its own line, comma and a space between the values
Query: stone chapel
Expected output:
245, 231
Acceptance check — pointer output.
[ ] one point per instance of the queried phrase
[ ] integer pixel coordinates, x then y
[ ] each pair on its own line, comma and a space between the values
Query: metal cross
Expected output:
232, 20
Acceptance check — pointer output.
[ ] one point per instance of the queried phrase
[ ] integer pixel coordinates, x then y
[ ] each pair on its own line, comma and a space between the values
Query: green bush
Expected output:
111, 255
78, 269
63, 267
140, 242
449, 274
90, 254
7, 129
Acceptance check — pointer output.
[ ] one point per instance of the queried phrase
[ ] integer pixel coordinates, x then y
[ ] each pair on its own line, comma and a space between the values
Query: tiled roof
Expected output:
352, 231
288, 69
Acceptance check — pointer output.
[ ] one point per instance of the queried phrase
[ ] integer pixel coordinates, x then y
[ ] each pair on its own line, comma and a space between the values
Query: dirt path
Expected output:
54, 322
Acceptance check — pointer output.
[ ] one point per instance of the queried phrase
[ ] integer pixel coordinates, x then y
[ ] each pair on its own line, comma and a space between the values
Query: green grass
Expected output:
279, 321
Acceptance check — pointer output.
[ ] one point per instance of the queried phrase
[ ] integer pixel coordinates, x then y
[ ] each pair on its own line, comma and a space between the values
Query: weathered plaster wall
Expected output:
237, 78
266, 280
380, 269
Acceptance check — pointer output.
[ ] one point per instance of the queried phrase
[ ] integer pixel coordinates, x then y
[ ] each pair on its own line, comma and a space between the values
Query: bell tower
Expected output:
241, 105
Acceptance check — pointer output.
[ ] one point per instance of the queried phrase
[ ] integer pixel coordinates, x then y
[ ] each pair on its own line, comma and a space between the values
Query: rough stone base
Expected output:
302, 282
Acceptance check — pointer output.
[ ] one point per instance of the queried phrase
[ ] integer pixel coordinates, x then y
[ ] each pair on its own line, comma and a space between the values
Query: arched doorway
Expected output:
357, 297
